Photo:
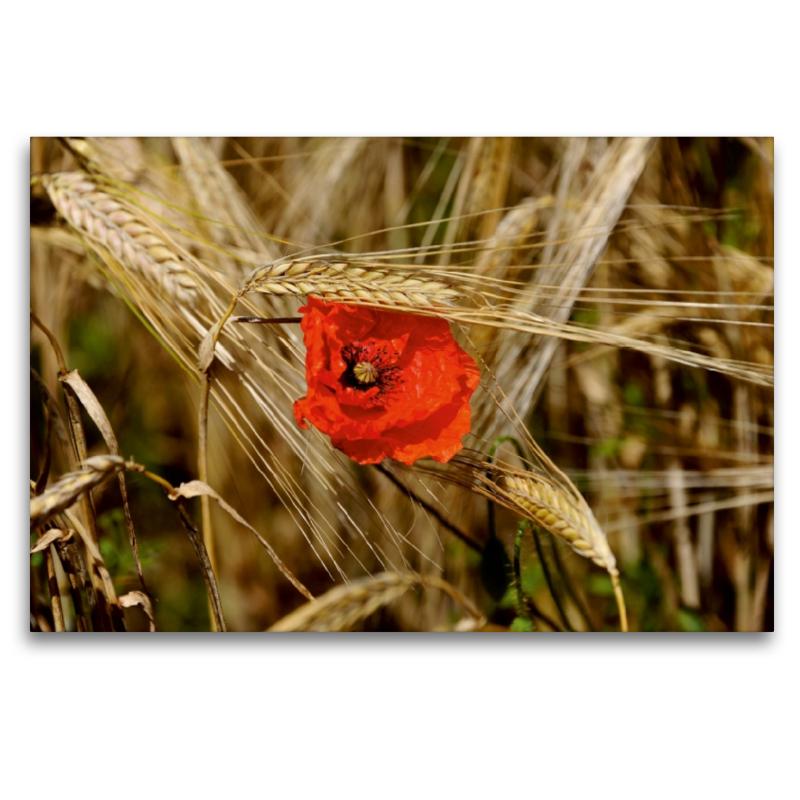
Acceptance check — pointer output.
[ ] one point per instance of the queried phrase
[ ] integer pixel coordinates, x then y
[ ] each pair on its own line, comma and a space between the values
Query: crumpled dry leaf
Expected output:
136, 598
206, 350
93, 408
53, 535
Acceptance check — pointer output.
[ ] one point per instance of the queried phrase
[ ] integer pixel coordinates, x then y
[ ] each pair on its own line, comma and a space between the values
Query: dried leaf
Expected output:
198, 488
53, 535
98, 415
93, 408
205, 354
136, 598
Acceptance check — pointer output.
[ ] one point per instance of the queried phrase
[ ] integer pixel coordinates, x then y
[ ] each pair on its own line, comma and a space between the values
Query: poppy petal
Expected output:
410, 402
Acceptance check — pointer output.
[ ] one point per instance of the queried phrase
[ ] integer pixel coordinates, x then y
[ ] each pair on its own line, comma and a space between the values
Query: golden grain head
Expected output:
344, 606
110, 222
71, 486
563, 515
331, 278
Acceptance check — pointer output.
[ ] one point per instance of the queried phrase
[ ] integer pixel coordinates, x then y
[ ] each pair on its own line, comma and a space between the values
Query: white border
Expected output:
657, 716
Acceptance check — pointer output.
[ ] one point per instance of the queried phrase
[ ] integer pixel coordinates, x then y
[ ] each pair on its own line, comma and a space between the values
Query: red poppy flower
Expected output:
384, 384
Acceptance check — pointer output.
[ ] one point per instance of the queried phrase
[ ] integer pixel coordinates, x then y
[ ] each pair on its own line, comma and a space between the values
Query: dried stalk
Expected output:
195, 537
78, 437
55, 594
76, 574
202, 471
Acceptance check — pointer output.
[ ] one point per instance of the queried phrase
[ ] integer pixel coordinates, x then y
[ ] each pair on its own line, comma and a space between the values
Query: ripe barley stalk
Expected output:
566, 516
342, 607
551, 504
341, 278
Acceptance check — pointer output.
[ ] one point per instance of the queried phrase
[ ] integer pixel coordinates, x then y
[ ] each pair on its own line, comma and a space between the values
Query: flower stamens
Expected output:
368, 366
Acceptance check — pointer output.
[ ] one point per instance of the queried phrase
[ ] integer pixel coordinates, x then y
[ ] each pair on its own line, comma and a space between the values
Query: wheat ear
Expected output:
118, 226
566, 516
332, 278
551, 504
343, 606
71, 486
552, 509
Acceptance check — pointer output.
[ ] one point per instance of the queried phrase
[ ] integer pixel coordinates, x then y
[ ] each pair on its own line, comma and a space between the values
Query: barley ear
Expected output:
332, 278
344, 606
116, 225
565, 515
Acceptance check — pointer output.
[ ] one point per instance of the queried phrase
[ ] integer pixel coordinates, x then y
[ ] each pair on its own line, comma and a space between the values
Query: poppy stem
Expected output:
468, 540
525, 605
562, 571
549, 578
268, 321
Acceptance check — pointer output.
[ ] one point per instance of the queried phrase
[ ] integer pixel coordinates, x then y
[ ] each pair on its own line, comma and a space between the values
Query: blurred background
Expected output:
666, 240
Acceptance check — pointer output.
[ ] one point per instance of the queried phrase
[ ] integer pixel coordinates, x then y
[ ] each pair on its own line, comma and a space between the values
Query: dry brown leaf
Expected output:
205, 353
53, 535
136, 598
93, 408
98, 415
199, 489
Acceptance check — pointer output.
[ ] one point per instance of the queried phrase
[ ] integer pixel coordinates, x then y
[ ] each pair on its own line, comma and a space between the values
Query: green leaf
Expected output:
522, 625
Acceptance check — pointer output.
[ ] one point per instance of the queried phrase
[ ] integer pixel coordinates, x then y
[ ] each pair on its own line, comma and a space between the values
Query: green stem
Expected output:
570, 588
521, 610
549, 578
525, 606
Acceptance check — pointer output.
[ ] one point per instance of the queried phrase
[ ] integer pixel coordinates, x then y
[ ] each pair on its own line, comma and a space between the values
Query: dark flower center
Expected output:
368, 365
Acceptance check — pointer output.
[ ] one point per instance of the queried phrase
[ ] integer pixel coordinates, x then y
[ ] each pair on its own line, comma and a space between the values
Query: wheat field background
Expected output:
616, 294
